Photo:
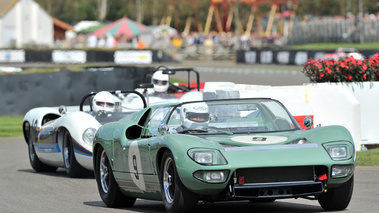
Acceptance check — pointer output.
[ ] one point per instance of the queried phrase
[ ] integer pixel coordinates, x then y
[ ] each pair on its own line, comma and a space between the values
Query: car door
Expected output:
139, 165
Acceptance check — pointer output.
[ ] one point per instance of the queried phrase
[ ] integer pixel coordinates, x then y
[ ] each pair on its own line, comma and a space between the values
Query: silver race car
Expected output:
58, 137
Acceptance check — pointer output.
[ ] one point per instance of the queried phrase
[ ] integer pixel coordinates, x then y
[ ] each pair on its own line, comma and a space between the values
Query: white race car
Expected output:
58, 137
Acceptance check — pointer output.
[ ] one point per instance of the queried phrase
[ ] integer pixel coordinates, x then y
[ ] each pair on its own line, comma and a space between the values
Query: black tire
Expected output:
337, 198
108, 188
176, 197
35, 162
73, 168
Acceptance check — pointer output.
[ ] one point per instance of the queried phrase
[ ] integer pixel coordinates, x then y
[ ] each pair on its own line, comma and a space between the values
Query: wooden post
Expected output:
271, 19
250, 22
209, 19
229, 19
188, 25
218, 20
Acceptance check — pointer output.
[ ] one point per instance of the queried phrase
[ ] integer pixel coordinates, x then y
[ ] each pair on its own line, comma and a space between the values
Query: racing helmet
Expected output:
103, 101
194, 115
160, 81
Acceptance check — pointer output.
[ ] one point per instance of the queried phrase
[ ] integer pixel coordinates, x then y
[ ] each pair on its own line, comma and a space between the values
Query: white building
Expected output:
24, 23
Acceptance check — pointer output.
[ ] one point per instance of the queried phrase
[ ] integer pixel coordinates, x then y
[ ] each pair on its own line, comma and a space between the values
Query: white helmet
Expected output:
160, 81
194, 115
103, 101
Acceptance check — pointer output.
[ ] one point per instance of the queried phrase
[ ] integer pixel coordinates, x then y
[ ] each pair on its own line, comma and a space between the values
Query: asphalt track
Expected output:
257, 74
24, 190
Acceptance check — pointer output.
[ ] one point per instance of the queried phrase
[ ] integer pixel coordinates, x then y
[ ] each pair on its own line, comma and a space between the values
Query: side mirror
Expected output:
308, 122
163, 129
62, 110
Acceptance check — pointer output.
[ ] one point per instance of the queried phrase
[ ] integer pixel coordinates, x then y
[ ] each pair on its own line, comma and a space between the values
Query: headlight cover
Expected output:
207, 156
339, 150
88, 135
342, 170
219, 176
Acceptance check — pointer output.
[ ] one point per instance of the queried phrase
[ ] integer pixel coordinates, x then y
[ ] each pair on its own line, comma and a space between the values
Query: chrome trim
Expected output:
275, 147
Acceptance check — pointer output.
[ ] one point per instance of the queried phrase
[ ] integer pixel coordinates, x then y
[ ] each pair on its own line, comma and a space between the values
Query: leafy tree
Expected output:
153, 11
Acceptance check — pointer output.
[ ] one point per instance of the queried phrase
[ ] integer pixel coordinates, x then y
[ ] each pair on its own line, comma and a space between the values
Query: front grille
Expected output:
275, 174
277, 182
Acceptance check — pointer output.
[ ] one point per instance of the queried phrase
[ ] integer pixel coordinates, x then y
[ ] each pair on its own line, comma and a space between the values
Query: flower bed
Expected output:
344, 70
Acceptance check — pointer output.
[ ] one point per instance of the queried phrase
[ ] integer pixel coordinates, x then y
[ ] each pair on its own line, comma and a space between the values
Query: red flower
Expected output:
328, 70
365, 76
343, 65
353, 61
364, 67
349, 77
321, 75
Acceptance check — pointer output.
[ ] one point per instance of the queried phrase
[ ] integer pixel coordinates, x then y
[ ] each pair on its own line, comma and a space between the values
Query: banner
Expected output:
12, 56
69, 56
133, 57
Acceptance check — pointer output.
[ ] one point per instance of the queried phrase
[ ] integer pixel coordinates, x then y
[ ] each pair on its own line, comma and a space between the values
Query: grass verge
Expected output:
334, 46
368, 158
11, 126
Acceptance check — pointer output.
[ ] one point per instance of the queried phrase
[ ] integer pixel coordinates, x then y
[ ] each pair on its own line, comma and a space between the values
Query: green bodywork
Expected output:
136, 156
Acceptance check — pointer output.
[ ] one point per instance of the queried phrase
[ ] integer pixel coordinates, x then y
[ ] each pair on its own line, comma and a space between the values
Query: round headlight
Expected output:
88, 135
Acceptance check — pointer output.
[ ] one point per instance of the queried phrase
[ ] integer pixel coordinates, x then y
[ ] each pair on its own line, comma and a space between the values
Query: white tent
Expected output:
24, 22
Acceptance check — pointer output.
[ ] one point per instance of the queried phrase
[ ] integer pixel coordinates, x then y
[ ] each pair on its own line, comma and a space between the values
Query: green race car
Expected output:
220, 150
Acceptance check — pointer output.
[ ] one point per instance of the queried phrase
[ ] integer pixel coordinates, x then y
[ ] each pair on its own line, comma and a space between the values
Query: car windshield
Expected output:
231, 117
106, 117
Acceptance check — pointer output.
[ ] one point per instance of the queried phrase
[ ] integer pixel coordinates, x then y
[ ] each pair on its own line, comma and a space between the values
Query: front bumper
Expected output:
276, 191
278, 182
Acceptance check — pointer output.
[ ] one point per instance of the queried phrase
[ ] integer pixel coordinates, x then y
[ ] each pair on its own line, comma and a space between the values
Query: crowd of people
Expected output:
225, 39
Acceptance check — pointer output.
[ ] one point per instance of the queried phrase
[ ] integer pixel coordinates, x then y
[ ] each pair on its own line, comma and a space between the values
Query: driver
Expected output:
160, 81
194, 116
103, 101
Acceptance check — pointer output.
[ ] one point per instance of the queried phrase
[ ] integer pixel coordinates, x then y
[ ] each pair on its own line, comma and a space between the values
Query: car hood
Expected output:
252, 139
318, 135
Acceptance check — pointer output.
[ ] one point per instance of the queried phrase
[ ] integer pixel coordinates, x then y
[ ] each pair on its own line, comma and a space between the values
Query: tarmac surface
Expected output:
223, 70
256, 74
24, 190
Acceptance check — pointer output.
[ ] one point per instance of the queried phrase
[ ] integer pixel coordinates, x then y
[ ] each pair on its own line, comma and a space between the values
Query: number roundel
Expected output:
135, 167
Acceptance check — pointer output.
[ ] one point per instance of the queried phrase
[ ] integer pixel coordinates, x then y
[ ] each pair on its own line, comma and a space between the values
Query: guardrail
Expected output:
84, 56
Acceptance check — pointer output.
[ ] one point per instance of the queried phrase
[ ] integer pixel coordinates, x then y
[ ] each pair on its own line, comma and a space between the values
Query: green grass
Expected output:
11, 126
368, 158
334, 46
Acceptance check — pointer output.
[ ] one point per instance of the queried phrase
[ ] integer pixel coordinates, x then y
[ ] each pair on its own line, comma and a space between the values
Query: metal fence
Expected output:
320, 30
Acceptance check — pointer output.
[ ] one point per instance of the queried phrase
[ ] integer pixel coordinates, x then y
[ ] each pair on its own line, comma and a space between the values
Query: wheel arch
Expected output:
26, 131
95, 149
159, 158
60, 136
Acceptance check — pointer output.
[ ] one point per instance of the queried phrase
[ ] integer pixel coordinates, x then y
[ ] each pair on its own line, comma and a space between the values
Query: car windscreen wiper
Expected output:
192, 131
217, 130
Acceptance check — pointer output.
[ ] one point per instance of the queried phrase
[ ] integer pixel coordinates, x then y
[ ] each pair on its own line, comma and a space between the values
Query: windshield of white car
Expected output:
243, 116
